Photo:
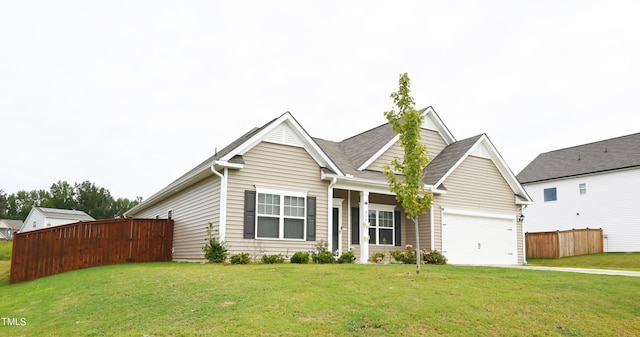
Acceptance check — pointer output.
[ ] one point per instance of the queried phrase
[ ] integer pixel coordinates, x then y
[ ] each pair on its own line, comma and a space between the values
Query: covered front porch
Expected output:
369, 221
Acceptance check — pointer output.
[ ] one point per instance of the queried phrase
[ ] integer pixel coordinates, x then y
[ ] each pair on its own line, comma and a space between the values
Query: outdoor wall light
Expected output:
521, 218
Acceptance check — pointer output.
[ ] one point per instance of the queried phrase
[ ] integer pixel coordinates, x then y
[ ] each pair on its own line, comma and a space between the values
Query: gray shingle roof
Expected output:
222, 153
363, 146
352, 152
607, 155
445, 160
65, 214
13, 224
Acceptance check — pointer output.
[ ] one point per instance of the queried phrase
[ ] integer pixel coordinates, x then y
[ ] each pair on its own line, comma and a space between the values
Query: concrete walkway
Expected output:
584, 270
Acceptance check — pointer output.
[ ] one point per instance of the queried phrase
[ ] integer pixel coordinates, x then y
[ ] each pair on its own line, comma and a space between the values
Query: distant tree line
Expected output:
86, 196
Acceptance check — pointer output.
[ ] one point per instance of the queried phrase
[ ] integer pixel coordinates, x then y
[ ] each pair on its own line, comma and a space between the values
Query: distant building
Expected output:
8, 227
592, 185
41, 217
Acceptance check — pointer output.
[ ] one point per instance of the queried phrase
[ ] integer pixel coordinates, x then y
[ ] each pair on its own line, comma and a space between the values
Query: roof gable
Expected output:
607, 155
287, 131
431, 122
282, 130
444, 164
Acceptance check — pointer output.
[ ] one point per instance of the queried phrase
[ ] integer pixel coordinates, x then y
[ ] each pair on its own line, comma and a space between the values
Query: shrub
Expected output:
300, 257
214, 251
377, 257
272, 259
323, 258
242, 258
433, 257
346, 257
405, 256
322, 255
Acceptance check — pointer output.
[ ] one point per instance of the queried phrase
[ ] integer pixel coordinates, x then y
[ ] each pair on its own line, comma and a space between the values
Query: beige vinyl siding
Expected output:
193, 208
424, 226
477, 185
277, 166
435, 145
346, 222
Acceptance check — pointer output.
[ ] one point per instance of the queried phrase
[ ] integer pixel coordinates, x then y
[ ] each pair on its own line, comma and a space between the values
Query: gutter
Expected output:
371, 183
181, 183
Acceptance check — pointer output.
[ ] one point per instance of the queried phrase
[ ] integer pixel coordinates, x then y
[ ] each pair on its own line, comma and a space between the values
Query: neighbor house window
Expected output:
34, 224
381, 225
583, 189
281, 214
550, 194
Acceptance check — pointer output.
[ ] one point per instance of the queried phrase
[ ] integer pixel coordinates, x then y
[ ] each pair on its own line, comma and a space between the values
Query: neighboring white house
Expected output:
595, 185
41, 217
8, 227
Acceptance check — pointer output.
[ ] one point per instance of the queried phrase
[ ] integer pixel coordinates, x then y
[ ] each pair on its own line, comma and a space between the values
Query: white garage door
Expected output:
479, 239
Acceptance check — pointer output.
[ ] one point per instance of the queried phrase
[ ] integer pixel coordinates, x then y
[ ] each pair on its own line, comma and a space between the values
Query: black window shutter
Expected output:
355, 225
311, 218
249, 214
398, 223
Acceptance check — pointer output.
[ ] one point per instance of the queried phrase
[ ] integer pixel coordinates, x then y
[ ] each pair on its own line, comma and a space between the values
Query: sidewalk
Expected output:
584, 270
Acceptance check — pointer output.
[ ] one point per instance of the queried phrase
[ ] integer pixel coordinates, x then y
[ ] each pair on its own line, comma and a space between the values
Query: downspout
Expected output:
334, 180
222, 227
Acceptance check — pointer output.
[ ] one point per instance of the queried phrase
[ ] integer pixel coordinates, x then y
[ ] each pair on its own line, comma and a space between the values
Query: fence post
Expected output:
557, 244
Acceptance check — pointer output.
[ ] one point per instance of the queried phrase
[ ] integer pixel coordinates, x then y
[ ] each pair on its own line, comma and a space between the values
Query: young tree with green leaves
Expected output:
405, 174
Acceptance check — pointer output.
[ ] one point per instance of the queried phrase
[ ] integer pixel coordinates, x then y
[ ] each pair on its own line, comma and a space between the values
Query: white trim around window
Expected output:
281, 214
382, 225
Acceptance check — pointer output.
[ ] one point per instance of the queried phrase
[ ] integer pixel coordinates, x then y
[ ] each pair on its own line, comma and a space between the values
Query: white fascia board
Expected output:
255, 139
505, 171
374, 186
474, 213
501, 165
379, 153
431, 122
309, 145
219, 164
438, 125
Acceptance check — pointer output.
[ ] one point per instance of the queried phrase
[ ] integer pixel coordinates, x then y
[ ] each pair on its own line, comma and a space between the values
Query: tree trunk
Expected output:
418, 253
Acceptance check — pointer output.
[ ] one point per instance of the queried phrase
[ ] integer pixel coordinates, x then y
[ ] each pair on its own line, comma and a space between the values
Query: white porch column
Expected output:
364, 226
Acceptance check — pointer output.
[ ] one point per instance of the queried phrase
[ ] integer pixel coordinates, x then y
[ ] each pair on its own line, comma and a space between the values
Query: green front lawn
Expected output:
188, 299
622, 261
5, 250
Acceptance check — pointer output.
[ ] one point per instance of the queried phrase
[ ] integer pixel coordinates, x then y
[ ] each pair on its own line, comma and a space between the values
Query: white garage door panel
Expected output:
479, 240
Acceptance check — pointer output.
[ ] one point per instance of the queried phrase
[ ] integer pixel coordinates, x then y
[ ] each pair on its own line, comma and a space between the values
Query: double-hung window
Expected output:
281, 214
381, 225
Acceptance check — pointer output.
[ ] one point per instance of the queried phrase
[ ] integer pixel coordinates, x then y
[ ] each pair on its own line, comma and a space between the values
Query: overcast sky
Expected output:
130, 95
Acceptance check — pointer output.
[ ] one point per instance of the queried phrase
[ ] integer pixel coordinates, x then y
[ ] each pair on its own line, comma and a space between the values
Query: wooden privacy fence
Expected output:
80, 245
564, 243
